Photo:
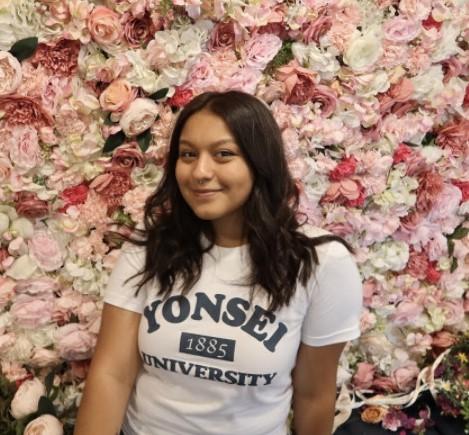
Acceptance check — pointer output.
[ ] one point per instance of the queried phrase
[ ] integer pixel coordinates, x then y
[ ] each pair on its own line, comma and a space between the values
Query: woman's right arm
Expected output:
112, 374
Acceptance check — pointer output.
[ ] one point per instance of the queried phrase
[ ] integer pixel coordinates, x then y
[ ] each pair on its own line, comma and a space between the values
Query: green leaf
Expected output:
160, 94
459, 233
144, 140
108, 121
48, 382
428, 139
450, 247
24, 48
46, 407
113, 141
454, 265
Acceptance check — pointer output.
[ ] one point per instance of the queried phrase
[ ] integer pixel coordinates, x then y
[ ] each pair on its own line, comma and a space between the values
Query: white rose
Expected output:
22, 227
139, 116
4, 223
23, 268
26, 398
312, 57
363, 51
44, 425
428, 83
372, 84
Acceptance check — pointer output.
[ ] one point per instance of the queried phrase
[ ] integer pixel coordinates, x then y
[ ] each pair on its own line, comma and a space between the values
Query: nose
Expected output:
203, 168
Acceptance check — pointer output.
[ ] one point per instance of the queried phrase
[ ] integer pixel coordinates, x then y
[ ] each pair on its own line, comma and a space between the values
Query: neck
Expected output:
229, 231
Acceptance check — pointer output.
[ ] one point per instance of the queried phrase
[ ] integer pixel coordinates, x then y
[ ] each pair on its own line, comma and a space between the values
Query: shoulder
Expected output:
132, 255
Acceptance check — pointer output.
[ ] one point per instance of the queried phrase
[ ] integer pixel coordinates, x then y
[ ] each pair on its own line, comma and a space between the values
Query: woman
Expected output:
238, 308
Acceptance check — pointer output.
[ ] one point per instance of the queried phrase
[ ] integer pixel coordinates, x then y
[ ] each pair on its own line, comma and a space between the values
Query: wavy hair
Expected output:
281, 254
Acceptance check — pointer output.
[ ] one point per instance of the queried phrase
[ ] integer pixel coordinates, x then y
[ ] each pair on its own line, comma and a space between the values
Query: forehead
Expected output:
205, 127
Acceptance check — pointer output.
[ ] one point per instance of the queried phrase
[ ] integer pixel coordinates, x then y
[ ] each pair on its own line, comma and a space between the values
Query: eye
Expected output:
185, 154
225, 153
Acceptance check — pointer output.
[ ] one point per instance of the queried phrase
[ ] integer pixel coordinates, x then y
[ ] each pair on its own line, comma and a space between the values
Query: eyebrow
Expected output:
211, 145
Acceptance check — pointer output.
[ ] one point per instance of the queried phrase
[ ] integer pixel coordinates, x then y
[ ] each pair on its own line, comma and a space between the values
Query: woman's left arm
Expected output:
314, 388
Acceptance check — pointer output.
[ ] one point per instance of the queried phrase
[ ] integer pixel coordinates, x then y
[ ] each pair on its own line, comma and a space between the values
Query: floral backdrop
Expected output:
372, 99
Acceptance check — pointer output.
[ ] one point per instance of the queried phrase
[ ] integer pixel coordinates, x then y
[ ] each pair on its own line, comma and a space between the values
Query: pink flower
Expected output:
260, 50
111, 186
443, 339
32, 311
38, 286
417, 265
404, 376
138, 30
401, 30
26, 399
363, 377
402, 153
10, 73
44, 424
117, 96
24, 148
128, 156
46, 251
45, 358
463, 186
452, 67
347, 192
415, 9
344, 169
74, 342
243, 79
29, 205
299, 83
225, 35
20, 110
74, 195
6, 291
397, 93
326, 98
202, 76
406, 313
319, 27
430, 23
139, 116
455, 136
180, 98
104, 26
454, 312
431, 184
59, 58
66, 305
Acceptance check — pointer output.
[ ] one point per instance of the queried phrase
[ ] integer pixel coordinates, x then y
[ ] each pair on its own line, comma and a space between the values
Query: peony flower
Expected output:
139, 116
32, 311
455, 136
117, 96
10, 73
431, 184
104, 26
21, 110
74, 342
59, 58
111, 186
46, 251
24, 148
401, 30
26, 398
406, 313
45, 424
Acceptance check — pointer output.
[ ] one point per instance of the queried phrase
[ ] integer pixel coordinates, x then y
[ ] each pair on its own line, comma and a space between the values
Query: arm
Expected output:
314, 388
112, 374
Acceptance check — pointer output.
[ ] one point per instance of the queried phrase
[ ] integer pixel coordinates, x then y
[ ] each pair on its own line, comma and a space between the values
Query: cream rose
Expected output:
10, 73
363, 51
27, 397
139, 116
104, 26
44, 425
117, 96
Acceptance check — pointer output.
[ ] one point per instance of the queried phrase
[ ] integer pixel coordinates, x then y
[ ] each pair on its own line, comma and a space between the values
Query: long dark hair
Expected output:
281, 254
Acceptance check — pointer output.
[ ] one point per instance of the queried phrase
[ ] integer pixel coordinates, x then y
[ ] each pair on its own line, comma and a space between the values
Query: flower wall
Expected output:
372, 99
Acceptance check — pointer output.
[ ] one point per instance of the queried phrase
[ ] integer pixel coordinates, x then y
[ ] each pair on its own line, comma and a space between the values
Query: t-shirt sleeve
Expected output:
333, 315
120, 293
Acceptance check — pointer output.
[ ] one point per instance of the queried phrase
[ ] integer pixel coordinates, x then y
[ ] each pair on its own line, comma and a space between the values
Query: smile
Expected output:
205, 193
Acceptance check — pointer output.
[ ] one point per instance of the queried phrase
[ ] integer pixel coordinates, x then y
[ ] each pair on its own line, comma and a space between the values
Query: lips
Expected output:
205, 193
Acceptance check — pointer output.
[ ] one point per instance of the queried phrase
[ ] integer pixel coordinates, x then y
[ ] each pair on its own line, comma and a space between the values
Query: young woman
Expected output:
229, 310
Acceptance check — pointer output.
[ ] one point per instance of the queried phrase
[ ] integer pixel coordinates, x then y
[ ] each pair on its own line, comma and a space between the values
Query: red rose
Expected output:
181, 97
344, 169
402, 153
463, 186
74, 195
29, 205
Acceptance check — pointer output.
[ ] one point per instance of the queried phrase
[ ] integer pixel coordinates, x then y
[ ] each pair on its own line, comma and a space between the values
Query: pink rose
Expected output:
32, 311
117, 96
243, 79
46, 251
401, 30
417, 265
66, 305
402, 153
363, 377
29, 205
24, 148
224, 35
400, 92
260, 50
26, 399
138, 30
405, 375
299, 83
202, 76
37, 286
139, 116
46, 424
104, 26
406, 313
74, 342
384, 384
314, 30
326, 98
128, 156
454, 312
10, 73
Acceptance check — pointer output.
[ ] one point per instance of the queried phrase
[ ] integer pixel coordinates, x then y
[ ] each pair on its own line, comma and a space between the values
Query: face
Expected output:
212, 174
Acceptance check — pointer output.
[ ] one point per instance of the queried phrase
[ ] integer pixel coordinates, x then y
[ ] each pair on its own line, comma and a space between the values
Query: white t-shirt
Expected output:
216, 363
